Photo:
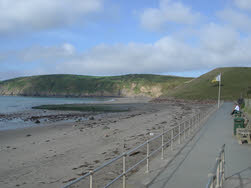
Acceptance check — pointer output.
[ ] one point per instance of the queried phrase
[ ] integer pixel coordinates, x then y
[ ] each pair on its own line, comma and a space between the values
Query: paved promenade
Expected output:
191, 167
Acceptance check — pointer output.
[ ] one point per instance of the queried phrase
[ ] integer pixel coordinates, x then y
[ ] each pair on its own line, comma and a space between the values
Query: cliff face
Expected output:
87, 86
149, 91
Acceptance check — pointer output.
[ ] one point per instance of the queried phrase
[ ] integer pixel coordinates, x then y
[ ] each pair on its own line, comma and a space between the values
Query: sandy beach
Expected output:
53, 154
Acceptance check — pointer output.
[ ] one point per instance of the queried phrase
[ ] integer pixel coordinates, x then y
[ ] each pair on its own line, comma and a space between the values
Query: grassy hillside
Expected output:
81, 86
236, 81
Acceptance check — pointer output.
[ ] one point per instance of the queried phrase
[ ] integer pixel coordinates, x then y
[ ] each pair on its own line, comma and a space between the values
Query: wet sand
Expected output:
52, 155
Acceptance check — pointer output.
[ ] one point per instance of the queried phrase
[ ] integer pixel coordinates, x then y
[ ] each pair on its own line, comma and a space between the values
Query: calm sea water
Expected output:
15, 104
10, 104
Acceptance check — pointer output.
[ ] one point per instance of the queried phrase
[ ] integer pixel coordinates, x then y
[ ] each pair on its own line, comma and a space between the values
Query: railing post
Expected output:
218, 173
91, 176
189, 128
147, 155
172, 139
199, 119
162, 144
195, 122
179, 135
124, 170
192, 121
185, 130
191, 125
222, 171
221, 166
212, 185
223, 162
210, 175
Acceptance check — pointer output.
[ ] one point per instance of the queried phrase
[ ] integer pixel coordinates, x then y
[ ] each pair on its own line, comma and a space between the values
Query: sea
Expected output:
17, 104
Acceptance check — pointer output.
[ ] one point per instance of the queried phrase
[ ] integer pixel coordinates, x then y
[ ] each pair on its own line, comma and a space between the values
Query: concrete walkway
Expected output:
191, 167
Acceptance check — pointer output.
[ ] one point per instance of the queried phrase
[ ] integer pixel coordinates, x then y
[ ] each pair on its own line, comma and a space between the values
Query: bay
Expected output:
11, 105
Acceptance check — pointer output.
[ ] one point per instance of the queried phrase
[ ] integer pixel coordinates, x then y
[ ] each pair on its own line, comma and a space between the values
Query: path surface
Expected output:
191, 167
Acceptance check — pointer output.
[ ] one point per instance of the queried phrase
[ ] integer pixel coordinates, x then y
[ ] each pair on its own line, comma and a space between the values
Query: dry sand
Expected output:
50, 156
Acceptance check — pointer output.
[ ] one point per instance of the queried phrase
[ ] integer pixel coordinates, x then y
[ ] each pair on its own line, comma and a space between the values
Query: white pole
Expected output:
219, 92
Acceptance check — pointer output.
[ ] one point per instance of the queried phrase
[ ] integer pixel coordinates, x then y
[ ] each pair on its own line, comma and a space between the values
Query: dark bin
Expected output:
238, 123
238, 114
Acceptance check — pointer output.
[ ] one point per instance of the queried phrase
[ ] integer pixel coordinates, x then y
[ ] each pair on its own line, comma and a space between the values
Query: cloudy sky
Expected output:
113, 37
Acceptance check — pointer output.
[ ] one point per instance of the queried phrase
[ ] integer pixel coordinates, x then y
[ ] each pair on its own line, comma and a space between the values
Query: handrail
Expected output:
193, 124
217, 175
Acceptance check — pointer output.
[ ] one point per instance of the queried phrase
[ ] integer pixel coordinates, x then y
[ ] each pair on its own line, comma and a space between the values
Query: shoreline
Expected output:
43, 117
13, 104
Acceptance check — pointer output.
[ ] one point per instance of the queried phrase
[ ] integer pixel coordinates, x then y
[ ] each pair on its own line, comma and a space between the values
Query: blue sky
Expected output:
113, 37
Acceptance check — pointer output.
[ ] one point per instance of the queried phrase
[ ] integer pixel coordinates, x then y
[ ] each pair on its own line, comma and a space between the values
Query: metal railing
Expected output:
217, 176
174, 135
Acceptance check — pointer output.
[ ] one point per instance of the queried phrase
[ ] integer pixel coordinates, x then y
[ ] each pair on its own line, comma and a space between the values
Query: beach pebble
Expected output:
110, 173
91, 118
28, 135
96, 161
106, 127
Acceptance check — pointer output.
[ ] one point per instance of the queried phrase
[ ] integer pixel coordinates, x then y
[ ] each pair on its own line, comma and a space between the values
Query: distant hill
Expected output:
236, 81
86, 86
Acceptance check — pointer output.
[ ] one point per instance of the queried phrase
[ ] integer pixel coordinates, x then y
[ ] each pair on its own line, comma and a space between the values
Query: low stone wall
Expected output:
247, 110
248, 107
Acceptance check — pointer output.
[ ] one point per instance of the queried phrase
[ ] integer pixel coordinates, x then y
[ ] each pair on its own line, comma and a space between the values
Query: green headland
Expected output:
92, 86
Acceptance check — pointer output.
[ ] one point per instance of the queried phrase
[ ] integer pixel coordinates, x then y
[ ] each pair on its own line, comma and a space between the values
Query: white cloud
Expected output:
69, 48
243, 4
46, 53
238, 20
219, 46
27, 15
223, 46
169, 11
219, 39
165, 55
